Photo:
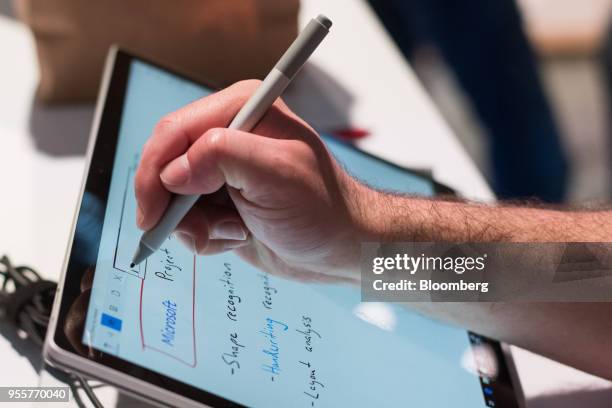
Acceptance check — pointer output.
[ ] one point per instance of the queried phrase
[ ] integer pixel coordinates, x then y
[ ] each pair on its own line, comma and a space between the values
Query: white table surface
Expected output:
358, 77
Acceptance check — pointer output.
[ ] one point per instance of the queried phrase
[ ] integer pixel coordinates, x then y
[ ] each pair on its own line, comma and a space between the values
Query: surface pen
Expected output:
251, 113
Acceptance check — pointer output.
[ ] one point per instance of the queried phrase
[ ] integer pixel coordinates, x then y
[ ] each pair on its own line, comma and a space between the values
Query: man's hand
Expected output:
288, 208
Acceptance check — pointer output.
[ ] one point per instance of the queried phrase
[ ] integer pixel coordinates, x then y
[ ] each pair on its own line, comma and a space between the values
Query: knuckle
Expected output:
166, 124
211, 146
215, 140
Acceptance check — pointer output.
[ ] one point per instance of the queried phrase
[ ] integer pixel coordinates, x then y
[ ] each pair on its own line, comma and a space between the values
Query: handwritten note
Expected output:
313, 384
308, 332
269, 291
233, 299
169, 266
272, 351
231, 358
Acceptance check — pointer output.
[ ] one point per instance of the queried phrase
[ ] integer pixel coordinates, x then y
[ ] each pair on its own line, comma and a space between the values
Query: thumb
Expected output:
244, 161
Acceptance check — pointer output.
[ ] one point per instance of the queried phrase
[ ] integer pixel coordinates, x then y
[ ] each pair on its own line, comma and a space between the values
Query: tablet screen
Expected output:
219, 325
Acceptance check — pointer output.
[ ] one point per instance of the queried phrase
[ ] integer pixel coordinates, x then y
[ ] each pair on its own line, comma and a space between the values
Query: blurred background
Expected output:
525, 85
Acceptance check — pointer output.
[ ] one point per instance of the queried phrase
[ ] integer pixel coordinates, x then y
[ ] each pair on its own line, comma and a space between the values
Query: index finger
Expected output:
173, 135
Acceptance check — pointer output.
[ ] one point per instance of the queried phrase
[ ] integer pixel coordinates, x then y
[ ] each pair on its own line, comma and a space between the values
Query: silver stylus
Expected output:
251, 113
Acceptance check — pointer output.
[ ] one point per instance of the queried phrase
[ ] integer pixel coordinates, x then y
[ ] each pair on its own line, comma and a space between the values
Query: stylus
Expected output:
251, 113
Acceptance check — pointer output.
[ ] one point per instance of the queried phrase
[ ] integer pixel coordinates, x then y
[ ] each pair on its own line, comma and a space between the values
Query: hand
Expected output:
288, 207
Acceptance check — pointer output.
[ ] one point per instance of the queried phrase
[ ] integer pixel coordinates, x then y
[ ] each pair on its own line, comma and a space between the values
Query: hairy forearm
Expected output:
399, 218
574, 333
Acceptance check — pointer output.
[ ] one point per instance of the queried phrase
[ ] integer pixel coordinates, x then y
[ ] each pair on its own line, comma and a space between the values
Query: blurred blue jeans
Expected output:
484, 44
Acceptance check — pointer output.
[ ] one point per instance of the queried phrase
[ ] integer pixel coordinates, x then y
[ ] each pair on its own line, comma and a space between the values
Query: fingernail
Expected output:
228, 230
177, 172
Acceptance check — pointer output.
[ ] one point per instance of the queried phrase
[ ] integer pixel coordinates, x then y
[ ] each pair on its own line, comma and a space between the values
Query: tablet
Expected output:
186, 330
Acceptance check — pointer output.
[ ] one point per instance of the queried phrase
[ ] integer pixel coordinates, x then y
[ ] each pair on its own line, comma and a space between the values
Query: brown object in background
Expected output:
219, 41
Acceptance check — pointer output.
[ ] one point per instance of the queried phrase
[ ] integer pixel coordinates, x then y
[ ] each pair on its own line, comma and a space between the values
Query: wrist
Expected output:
386, 217
379, 216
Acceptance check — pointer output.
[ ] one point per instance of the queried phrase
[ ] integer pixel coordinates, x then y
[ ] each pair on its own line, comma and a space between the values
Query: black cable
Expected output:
26, 301
89, 392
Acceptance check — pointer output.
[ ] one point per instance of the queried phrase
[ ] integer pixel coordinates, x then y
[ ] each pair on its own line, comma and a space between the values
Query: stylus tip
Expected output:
324, 21
142, 252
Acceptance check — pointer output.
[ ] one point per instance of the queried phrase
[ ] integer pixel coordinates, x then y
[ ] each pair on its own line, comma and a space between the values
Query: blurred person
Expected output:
484, 44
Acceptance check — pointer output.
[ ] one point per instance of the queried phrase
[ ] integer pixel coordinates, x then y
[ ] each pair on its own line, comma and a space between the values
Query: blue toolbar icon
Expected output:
111, 321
